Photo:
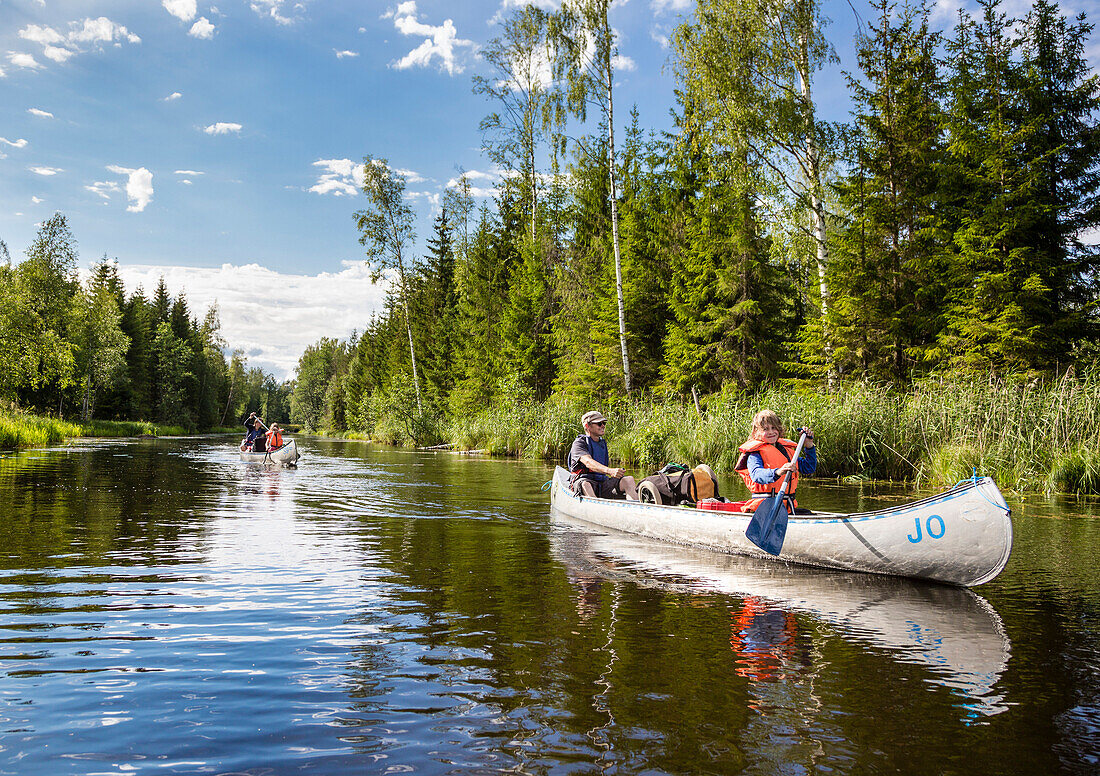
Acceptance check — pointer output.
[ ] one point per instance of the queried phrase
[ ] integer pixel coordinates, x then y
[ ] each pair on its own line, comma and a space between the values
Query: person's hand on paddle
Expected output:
620, 472
784, 469
809, 432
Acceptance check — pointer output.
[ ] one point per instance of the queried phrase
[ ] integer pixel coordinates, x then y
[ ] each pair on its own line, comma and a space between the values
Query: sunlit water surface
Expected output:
167, 609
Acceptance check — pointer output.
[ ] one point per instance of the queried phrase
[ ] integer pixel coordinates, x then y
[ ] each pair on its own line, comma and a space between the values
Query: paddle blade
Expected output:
768, 526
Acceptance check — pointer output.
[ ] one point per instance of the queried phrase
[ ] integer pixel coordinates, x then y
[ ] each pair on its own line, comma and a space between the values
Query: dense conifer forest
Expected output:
88, 351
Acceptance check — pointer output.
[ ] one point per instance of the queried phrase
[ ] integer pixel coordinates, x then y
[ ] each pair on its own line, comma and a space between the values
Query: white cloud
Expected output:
671, 6
188, 172
272, 8
44, 36
139, 186
309, 306
23, 60
222, 128
473, 177
342, 177
101, 30
184, 10
104, 189
343, 54
40, 112
37, 200
173, 96
411, 176
45, 170
2, 73
20, 143
507, 5
202, 29
945, 11
81, 35
58, 54
442, 41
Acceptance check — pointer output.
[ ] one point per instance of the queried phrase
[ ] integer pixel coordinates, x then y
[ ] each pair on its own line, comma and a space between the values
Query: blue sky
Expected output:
215, 143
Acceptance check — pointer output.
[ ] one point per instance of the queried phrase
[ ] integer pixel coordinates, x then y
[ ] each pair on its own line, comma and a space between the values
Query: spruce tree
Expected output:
886, 273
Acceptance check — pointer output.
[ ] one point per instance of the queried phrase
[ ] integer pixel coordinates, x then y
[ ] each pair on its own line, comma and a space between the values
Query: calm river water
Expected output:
167, 609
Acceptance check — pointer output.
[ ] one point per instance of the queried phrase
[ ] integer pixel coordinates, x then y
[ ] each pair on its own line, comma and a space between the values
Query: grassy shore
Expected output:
1028, 436
18, 430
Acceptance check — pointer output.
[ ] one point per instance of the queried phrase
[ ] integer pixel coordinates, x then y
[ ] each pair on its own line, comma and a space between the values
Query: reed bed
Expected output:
19, 430
1027, 435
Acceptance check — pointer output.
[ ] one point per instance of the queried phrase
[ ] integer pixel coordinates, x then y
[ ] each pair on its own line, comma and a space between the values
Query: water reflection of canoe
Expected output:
950, 630
962, 536
286, 455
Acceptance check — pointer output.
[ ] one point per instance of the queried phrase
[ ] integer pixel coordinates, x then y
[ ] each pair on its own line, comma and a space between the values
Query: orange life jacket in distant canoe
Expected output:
773, 458
274, 440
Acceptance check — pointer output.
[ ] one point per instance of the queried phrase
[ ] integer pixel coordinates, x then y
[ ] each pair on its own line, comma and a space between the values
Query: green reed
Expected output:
1028, 435
19, 430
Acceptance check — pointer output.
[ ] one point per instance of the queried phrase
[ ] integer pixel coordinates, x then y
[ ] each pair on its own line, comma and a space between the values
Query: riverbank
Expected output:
1027, 435
19, 430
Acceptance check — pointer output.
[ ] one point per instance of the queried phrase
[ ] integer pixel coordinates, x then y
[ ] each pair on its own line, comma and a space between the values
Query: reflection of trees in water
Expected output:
126, 502
539, 665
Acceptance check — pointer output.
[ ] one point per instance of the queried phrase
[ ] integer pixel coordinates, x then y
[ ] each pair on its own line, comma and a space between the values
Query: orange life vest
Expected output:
274, 439
773, 459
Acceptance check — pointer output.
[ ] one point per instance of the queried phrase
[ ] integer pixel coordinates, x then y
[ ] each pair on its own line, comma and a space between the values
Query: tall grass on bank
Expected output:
1026, 435
18, 430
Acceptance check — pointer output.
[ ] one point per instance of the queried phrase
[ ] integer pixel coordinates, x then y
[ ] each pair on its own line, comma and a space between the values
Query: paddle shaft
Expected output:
794, 459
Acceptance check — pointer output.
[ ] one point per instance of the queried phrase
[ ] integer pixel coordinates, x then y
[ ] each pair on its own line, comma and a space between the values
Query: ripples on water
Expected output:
167, 609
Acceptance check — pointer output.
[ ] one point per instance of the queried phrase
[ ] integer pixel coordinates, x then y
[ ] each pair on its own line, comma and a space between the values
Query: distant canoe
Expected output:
962, 536
287, 455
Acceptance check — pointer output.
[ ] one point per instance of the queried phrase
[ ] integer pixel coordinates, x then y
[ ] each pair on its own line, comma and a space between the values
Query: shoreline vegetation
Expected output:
19, 430
1030, 436
919, 282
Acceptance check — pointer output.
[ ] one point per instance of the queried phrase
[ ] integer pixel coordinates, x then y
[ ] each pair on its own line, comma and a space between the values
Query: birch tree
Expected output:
387, 231
758, 59
585, 59
521, 86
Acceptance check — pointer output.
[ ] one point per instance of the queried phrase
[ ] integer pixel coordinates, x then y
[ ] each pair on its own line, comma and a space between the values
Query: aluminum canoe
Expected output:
962, 536
287, 455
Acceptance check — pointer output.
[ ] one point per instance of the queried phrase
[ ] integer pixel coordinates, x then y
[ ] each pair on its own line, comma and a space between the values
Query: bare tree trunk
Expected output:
85, 411
408, 328
817, 206
228, 401
615, 222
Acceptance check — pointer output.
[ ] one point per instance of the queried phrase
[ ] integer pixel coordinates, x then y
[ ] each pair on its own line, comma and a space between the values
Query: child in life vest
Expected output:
274, 437
766, 457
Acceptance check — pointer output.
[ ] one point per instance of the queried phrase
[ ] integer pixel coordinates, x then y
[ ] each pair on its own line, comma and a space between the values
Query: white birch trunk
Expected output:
408, 328
615, 227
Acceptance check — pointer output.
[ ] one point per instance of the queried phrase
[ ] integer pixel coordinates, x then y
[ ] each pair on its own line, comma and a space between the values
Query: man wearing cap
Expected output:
590, 464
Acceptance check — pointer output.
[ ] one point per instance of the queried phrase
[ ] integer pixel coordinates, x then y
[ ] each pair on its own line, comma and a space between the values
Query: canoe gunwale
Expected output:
272, 456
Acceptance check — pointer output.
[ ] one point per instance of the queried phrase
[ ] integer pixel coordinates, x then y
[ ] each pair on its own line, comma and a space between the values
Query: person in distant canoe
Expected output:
256, 441
590, 464
249, 427
274, 437
766, 458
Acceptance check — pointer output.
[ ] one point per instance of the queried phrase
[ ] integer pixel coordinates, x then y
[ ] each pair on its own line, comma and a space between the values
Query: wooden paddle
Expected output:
768, 526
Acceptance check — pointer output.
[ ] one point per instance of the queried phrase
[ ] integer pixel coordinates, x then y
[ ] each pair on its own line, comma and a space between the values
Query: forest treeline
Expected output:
939, 233
88, 351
